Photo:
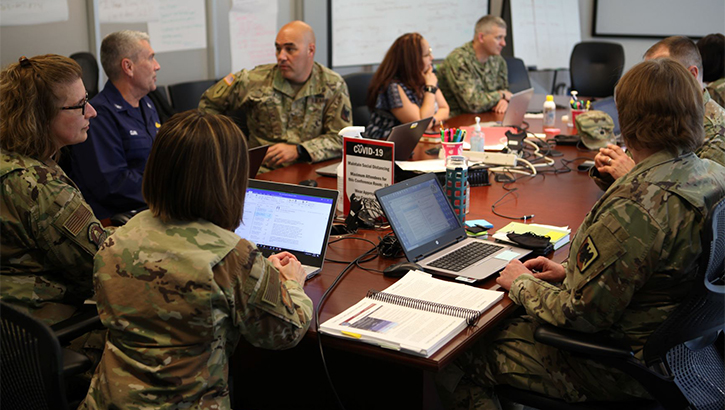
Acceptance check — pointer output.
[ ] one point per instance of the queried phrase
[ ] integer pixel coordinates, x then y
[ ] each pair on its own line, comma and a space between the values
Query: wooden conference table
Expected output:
561, 199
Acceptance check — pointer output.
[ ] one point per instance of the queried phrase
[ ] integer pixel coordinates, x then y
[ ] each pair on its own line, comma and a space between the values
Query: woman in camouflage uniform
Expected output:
49, 233
177, 288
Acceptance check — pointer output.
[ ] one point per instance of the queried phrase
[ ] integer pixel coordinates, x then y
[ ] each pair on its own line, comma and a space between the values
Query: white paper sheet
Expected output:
182, 26
252, 31
25, 12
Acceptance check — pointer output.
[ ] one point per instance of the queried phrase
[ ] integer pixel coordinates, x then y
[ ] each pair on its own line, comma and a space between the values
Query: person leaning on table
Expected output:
631, 262
177, 288
404, 88
296, 106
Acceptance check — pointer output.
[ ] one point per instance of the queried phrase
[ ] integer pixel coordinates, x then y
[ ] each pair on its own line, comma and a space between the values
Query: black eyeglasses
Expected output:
81, 106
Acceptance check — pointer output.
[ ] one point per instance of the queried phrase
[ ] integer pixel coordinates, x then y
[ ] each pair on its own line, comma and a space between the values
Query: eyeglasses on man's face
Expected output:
81, 106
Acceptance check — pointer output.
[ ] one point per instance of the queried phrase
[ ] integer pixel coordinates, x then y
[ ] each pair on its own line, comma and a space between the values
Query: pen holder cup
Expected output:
451, 148
572, 117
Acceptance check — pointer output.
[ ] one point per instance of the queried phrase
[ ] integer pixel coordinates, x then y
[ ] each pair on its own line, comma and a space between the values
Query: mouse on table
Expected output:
399, 270
308, 182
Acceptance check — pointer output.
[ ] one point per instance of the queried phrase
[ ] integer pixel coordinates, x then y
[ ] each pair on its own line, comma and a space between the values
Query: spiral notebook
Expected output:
393, 318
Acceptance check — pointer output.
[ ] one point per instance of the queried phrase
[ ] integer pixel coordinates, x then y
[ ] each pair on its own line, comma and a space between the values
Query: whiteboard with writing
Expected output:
128, 11
545, 31
362, 31
24, 12
182, 26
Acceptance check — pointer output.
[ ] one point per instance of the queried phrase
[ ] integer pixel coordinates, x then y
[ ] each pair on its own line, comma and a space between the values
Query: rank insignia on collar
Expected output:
586, 255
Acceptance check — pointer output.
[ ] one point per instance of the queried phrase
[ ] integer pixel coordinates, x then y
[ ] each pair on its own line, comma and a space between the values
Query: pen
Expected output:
572, 103
573, 94
442, 139
588, 101
351, 334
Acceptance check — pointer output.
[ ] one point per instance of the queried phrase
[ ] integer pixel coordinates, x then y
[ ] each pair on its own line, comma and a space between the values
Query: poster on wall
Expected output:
26, 12
128, 11
252, 31
182, 26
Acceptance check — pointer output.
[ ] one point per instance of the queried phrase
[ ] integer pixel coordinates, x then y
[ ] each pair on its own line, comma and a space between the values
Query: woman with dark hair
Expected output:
177, 288
49, 233
404, 88
712, 50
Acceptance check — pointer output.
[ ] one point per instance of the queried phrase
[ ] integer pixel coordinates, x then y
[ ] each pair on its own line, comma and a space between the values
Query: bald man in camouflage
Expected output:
296, 106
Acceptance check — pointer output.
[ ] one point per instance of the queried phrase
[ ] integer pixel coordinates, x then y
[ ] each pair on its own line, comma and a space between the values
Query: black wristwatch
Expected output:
430, 89
302, 154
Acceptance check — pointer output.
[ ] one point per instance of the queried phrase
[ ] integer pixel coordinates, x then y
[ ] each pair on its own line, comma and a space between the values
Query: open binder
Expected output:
417, 315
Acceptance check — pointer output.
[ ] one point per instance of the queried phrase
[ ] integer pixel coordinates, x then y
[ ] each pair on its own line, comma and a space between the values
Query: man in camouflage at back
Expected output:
297, 105
474, 77
630, 264
612, 162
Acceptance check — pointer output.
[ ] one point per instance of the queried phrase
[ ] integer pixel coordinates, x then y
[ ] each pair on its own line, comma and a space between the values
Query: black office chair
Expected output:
89, 65
162, 104
357, 85
186, 96
684, 369
33, 364
595, 68
518, 74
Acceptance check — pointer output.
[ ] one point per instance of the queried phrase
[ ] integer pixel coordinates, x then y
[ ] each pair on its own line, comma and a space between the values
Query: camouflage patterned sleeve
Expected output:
608, 261
336, 117
271, 314
59, 222
602, 181
227, 95
468, 88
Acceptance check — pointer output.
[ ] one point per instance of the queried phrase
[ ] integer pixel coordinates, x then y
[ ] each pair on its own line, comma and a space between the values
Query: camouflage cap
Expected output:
595, 129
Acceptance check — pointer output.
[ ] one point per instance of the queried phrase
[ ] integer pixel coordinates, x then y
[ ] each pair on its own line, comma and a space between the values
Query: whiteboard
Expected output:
363, 30
545, 31
658, 18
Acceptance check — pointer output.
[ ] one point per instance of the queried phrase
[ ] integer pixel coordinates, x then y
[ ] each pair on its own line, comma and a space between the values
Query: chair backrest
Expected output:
684, 342
357, 86
89, 65
595, 68
30, 363
162, 104
518, 75
186, 96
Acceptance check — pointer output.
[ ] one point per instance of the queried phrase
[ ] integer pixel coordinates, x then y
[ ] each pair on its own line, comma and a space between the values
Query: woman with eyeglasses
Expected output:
49, 233
404, 88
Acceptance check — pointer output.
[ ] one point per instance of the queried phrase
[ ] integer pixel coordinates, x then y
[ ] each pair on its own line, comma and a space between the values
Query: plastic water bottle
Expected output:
549, 111
478, 138
457, 184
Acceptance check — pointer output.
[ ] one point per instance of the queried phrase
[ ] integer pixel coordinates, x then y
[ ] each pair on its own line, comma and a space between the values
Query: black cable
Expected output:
510, 192
321, 303
349, 238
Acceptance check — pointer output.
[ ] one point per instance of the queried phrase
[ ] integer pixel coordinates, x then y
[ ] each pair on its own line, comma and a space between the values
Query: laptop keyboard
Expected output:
466, 256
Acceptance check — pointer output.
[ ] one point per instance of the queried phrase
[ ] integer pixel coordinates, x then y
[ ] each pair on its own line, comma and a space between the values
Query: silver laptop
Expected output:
516, 110
294, 218
431, 234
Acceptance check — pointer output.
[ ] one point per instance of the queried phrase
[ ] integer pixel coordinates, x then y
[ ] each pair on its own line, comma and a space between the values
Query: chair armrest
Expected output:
84, 321
583, 343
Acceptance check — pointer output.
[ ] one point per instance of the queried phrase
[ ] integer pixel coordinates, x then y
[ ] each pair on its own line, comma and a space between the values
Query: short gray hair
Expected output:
117, 46
486, 23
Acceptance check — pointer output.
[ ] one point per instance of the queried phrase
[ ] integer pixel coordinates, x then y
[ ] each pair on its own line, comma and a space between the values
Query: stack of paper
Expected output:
559, 234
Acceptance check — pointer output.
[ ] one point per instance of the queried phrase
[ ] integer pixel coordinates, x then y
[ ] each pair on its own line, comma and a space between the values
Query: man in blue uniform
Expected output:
108, 167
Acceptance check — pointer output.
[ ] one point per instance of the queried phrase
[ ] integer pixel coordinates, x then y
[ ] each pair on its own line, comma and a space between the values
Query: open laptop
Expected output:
294, 218
256, 156
405, 137
429, 230
516, 110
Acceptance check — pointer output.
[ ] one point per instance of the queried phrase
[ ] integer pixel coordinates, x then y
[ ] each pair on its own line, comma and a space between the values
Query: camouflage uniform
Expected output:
630, 264
272, 112
176, 298
468, 85
717, 91
49, 237
713, 148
